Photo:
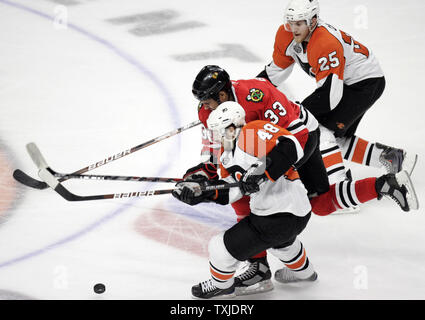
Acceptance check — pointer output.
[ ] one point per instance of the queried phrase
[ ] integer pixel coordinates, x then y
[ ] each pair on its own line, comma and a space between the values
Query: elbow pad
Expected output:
281, 158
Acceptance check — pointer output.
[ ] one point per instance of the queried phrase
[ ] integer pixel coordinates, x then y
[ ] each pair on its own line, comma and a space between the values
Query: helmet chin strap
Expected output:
311, 29
228, 144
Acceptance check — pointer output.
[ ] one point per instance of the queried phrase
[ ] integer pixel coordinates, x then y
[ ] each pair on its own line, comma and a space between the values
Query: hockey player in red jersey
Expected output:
349, 81
261, 101
259, 155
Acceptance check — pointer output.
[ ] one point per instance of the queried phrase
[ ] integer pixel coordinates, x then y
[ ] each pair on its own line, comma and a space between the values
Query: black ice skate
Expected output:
395, 160
207, 290
256, 279
398, 187
286, 275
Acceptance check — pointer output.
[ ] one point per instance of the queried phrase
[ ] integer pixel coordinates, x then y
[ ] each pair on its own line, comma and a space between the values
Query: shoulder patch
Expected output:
255, 95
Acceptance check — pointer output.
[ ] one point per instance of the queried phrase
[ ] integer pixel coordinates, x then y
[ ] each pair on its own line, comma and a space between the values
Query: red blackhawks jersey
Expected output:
262, 101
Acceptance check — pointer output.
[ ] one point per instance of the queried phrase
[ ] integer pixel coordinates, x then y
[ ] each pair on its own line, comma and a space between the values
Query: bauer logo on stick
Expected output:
134, 194
114, 157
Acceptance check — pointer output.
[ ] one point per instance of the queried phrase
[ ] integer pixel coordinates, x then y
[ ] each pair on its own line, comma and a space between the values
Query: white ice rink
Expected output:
85, 79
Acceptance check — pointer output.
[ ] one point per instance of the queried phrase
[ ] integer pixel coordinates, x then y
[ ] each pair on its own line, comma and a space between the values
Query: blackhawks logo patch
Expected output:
255, 95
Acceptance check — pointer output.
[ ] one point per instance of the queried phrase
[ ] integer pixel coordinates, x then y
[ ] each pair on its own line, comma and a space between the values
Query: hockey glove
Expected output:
252, 178
191, 193
207, 170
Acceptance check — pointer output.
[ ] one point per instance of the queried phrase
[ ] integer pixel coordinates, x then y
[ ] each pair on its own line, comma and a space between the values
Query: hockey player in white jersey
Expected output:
349, 81
280, 209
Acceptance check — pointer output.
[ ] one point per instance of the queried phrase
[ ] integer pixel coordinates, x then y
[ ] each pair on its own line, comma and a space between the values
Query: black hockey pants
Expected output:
254, 234
311, 168
356, 100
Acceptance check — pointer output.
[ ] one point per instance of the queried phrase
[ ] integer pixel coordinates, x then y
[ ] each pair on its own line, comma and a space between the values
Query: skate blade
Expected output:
409, 163
351, 210
403, 178
278, 277
262, 286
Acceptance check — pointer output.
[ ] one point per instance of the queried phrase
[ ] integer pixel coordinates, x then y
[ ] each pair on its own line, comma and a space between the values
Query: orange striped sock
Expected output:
361, 151
222, 279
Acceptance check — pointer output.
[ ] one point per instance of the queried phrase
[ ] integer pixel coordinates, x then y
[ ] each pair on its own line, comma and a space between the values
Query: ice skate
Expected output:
207, 290
256, 279
285, 275
395, 160
350, 210
399, 188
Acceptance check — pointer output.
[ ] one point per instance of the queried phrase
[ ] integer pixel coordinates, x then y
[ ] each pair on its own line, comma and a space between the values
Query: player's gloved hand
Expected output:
205, 169
190, 191
252, 178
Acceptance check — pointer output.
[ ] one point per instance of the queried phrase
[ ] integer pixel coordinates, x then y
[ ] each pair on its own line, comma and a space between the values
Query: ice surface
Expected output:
88, 80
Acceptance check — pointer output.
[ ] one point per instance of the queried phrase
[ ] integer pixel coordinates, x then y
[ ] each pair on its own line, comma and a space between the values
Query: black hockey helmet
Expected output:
209, 82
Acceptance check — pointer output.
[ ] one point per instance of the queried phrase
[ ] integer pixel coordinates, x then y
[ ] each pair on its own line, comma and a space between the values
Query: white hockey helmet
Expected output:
298, 10
224, 116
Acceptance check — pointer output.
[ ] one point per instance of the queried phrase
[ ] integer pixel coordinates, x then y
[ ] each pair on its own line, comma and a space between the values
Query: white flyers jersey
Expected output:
286, 194
328, 50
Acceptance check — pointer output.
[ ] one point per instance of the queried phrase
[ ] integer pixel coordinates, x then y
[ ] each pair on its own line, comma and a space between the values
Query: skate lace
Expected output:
248, 274
387, 163
394, 198
207, 286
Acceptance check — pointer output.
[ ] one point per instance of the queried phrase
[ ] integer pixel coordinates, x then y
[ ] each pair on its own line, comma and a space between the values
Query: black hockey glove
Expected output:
205, 169
252, 178
190, 191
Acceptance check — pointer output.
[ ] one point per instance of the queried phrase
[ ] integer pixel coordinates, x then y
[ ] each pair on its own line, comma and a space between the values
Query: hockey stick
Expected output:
67, 176
46, 175
25, 179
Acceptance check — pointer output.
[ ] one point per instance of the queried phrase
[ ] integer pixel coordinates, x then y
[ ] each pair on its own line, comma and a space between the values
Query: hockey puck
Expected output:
99, 288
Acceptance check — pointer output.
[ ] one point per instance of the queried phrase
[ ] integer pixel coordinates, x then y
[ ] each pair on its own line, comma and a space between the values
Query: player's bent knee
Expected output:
219, 255
288, 253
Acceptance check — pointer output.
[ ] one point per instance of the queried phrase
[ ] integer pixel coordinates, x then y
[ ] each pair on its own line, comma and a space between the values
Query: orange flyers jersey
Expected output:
286, 194
328, 51
262, 101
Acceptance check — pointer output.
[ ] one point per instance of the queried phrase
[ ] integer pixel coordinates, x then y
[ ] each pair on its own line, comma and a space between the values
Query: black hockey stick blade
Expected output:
28, 181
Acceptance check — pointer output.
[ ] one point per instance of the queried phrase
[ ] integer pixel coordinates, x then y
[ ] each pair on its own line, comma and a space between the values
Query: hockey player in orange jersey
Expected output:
349, 81
259, 155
